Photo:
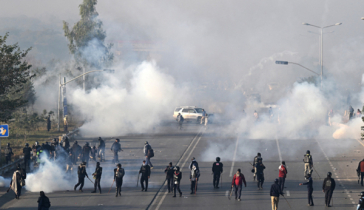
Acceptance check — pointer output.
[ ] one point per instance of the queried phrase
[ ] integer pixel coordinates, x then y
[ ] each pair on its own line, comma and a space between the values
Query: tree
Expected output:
87, 37
14, 77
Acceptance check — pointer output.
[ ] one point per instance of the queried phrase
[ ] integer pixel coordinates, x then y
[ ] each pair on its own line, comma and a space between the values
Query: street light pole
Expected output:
59, 96
286, 63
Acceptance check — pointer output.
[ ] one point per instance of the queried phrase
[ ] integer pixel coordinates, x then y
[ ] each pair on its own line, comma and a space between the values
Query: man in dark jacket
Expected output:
147, 154
101, 149
8, 153
118, 178
97, 176
328, 188
260, 174
26, 151
217, 171
145, 171
255, 161
35, 149
237, 183
360, 171
275, 191
43, 202
76, 149
86, 153
81, 176
309, 184
66, 144
180, 120
177, 176
169, 171
115, 148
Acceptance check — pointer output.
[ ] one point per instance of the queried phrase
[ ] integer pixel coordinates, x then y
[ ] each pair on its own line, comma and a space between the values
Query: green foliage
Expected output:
15, 81
88, 35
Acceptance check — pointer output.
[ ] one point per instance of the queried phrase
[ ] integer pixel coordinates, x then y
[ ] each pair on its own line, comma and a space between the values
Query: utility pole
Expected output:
59, 96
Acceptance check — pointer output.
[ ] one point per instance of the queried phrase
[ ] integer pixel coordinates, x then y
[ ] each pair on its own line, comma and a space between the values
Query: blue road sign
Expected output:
4, 131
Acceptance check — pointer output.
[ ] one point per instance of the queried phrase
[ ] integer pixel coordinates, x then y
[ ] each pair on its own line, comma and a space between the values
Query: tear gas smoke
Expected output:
3, 181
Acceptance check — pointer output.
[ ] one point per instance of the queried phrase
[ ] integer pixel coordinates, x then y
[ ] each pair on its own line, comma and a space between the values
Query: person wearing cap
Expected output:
309, 184
145, 171
169, 171
97, 176
328, 187
118, 178
275, 191
147, 154
26, 151
360, 205
177, 176
81, 176
116, 147
237, 184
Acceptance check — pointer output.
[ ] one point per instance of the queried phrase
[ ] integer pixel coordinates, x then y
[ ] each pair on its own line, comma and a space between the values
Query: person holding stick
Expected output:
118, 178
328, 188
81, 176
237, 183
145, 171
97, 176
275, 191
309, 184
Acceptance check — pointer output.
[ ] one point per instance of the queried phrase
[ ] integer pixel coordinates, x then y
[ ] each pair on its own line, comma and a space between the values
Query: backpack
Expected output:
307, 158
46, 204
150, 153
328, 183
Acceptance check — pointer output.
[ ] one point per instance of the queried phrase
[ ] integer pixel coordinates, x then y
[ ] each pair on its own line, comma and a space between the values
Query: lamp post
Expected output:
286, 63
60, 86
321, 44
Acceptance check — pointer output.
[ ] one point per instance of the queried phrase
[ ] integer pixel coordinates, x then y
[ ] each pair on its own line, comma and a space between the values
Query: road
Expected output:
236, 151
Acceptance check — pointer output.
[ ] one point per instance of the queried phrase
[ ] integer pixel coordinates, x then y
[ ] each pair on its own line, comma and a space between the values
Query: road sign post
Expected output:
4, 132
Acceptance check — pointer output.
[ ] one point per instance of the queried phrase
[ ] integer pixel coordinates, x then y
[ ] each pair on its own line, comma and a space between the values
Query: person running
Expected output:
237, 184
309, 184
148, 153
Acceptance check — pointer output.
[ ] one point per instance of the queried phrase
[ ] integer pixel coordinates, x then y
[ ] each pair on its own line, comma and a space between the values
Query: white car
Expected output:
190, 113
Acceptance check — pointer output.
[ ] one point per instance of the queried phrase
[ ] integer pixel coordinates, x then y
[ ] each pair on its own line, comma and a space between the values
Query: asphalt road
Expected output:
236, 151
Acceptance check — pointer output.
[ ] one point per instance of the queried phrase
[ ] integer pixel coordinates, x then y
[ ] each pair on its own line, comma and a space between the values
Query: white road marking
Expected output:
287, 192
227, 193
233, 163
279, 150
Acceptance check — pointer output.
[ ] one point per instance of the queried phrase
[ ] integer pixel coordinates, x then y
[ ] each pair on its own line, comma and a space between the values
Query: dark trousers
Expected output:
26, 162
328, 195
175, 188
216, 179
8, 159
147, 162
361, 177
97, 184
310, 200
74, 158
193, 186
119, 183
116, 157
81, 181
238, 191
260, 179
85, 158
170, 183
180, 125
142, 180
282, 180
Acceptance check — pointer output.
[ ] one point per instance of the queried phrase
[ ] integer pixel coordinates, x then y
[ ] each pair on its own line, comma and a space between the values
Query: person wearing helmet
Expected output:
97, 176
81, 176
86, 153
307, 159
328, 188
8, 153
360, 171
177, 176
255, 161
145, 171
282, 173
309, 184
76, 150
237, 183
194, 176
260, 174
101, 149
26, 151
115, 148
148, 153
275, 192
361, 202
217, 171
169, 171
118, 178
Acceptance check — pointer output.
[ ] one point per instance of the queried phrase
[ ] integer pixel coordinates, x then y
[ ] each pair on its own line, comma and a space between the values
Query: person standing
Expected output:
275, 191
43, 202
66, 144
328, 187
203, 117
255, 161
180, 120
360, 170
76, 150
118, 178
282, 174
81, 176
8, 153
237, 184
193, 163
145, 171
69, 162
177, 176
169, 171
17, 181
360, 205
49, 125
309, 184
26, 151
148, 153
194, 175
97, 176
217, 169
35, 149
86, 153
101, 149
115, 148
260, 174
307, 159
